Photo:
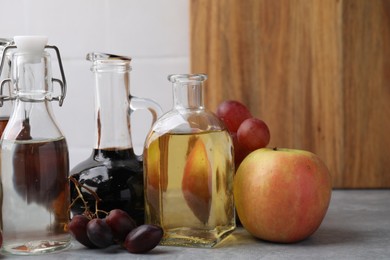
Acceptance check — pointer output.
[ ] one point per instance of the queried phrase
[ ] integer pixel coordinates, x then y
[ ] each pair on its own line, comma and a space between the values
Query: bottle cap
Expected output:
33, 45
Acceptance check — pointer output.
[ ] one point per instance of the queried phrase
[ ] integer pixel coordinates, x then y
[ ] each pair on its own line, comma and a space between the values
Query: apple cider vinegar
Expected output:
188, 187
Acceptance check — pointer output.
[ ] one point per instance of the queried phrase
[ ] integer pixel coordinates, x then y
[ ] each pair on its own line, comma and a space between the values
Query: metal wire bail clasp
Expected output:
4, 43
60, 98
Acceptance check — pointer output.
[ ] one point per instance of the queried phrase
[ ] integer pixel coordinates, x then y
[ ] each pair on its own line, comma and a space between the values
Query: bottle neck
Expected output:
188, 90
112, 120
188, 95
32, 77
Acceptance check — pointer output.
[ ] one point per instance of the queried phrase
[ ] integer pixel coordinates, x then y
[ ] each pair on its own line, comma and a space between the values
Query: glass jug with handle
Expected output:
113, 171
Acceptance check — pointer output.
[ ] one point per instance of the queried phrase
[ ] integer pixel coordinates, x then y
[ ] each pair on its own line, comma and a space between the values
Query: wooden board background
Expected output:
318, 72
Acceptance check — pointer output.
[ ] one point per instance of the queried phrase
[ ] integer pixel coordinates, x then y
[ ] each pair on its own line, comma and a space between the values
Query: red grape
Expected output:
143, 238
233, 113
253, 134
99, 233
78, 229
240, 152
120, 223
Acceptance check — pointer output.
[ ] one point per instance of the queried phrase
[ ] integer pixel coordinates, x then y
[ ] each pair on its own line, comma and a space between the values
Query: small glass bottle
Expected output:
188, 162
34, 162
113, 171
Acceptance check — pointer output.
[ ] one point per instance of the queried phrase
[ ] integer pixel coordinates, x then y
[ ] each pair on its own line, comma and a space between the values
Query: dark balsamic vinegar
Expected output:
117, 178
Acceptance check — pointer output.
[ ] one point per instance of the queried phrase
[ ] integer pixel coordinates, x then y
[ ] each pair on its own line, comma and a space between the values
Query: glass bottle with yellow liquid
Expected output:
188, 164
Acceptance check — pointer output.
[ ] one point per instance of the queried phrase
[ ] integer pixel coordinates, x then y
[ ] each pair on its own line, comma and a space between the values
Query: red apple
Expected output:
282, 195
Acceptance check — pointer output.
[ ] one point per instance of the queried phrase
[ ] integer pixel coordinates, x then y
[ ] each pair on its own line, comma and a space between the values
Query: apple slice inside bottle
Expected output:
196, 183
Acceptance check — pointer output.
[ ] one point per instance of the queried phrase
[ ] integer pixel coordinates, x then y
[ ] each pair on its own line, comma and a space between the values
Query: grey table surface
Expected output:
356, 226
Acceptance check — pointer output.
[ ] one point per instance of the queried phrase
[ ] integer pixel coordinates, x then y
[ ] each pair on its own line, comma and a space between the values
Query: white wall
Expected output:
155, 33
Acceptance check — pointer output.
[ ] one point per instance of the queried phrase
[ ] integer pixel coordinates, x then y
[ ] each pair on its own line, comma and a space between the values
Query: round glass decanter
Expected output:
188, 162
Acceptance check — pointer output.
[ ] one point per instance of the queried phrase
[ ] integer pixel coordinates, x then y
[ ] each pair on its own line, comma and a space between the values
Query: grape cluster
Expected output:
116, 228
248, 133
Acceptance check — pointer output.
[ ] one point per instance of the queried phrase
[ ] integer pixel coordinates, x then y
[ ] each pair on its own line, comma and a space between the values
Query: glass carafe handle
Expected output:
154, 108
137, 103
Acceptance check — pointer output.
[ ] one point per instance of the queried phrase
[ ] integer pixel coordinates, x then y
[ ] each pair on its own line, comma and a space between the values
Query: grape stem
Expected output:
87, 212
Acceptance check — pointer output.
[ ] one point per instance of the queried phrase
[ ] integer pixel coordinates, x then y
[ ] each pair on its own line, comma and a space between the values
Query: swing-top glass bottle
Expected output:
34, 158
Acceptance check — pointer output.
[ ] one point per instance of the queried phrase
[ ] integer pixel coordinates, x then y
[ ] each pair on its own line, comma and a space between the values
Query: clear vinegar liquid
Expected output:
188, 187
35, 196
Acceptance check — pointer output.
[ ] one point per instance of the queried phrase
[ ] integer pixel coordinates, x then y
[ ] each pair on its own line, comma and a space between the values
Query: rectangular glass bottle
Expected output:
188, 187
